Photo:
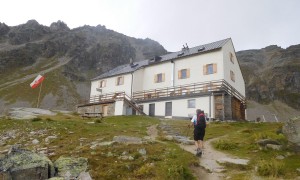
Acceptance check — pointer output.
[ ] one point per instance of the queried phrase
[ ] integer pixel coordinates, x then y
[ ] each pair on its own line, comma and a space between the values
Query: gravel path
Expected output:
208, 161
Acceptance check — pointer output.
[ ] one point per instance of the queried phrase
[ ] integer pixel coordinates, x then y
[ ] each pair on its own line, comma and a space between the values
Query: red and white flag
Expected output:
37, 81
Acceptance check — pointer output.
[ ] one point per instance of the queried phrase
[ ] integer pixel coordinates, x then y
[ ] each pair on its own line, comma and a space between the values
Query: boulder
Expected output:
234, 161
127, 140
24, 164
264, 142
29, 113
274, 147
84, 176
291, 130
70, 167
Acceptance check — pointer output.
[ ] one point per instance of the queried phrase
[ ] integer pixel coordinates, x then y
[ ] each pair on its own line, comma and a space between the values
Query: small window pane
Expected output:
159, 77
183, 74
191, 103
210, 69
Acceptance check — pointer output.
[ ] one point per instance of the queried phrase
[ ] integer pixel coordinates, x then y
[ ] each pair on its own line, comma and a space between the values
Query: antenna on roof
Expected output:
130, 61
186, 46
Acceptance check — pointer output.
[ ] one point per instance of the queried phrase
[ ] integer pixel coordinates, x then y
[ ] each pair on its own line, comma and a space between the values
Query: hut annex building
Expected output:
174, 85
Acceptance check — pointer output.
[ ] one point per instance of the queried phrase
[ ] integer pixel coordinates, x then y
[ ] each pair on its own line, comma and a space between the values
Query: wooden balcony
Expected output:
195, 89
102, 99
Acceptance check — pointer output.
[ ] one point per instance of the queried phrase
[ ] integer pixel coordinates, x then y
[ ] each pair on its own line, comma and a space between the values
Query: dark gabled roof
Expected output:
128, 68
123, 69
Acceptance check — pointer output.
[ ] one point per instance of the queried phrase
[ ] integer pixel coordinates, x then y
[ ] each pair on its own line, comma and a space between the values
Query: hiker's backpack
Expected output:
201, 122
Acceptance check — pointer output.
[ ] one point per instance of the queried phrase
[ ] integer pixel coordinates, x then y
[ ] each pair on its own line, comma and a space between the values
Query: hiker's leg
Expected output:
201, 144
196, 144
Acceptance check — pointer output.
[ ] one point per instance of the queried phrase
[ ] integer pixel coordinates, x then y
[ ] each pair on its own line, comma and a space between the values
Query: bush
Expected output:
145, 171
49, 119
225, 145
98, 121
36, 119
271, 167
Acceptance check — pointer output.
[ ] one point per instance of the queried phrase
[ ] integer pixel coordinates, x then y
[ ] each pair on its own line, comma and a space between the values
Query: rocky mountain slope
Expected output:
68, 58
272, 73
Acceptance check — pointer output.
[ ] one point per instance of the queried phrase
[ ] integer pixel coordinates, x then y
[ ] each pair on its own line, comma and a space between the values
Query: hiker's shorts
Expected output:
199, 134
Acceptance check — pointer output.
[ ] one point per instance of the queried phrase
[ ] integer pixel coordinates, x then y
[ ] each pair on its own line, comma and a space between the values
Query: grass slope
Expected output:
239, 139
164, 160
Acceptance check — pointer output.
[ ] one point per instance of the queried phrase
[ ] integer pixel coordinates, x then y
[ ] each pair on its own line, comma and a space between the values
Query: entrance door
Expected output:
151, 109
104, 110
168, 108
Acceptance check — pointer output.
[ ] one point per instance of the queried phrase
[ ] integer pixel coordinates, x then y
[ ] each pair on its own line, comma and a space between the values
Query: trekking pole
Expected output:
188, 130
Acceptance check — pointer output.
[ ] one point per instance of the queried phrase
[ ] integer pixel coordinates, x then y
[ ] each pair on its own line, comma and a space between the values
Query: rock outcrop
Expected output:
291, 130
272, 73
68, 58
69, 167
24, 164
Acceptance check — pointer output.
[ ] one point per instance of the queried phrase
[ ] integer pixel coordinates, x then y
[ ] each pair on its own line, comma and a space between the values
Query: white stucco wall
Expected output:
138, 79
195, 64
119, 108
179, 107
151, 71
239, 83
111, 86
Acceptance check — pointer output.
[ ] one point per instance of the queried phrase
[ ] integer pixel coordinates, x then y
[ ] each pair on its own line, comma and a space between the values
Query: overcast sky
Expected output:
251, 24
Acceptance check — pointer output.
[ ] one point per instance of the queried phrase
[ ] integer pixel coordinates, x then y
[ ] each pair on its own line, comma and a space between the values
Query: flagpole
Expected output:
37, 106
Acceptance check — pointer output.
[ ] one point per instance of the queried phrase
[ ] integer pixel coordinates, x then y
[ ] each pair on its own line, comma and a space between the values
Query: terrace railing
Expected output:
189, 89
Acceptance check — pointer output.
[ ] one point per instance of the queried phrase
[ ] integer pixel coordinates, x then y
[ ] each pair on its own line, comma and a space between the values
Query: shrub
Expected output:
179, 172
145, 171
36, 119
49, 119
225, 145
98, 121
271, 167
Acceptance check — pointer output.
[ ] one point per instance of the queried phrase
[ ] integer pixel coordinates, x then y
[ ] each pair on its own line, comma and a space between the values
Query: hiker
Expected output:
199, 122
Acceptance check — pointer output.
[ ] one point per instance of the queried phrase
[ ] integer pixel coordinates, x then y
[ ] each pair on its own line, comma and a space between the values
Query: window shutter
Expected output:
104, 83
117, 81
155, 78
163, 77
205, 69
187, 73
179, 74
215, 67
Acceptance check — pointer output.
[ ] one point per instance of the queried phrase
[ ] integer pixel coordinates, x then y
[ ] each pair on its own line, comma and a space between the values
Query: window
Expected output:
232, 76
191, 103
102, 83
209, 69
120, 80
159, 78
183, 73
231, 58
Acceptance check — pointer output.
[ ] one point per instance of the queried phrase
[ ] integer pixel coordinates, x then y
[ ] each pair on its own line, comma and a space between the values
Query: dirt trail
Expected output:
210, 169
209, 159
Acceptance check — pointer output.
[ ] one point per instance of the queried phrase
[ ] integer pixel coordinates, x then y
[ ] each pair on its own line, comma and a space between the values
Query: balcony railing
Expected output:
189, 89
176, 91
